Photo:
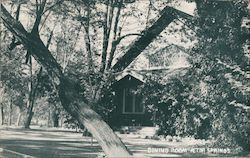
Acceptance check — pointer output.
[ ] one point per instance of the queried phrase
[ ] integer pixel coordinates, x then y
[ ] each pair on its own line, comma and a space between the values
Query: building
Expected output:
130, 111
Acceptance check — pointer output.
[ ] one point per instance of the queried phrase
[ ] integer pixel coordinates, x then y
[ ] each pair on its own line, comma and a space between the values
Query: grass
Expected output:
57, 143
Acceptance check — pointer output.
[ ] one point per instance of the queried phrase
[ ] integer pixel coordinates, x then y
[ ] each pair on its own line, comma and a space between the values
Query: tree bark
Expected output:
28, 119
114, 45
55, 117
32, 96
2, 115
29, 113
68, 88
19, 118
10, 113
106, 31
48, 119
86, 36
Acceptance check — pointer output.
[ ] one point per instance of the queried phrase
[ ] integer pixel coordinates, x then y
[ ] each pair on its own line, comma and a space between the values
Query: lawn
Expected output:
56, 143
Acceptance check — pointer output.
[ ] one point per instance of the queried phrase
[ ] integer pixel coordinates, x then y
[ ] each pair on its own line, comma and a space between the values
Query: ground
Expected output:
55, 143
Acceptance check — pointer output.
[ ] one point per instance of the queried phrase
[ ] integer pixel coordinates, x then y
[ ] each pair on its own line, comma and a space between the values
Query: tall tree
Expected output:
68, 85
1, 105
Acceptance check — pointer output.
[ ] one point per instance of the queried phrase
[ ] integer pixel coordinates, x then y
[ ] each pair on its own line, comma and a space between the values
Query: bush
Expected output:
180, 108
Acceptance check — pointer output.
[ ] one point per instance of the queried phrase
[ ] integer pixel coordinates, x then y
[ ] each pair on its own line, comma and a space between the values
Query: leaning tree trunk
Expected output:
71, 99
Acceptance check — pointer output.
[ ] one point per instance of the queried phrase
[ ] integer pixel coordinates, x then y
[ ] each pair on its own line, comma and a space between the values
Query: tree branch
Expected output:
87, 40
69, 91
31, 42
117, 19
15, 43
114, 46
39, 12
52, 6
168, 14
130, 34
106, 33
18, 11
50, 38
45, 19
148, 14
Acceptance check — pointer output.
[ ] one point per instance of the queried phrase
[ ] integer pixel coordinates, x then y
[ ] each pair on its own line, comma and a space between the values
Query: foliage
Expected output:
222, 66
211, 100
14, 78
162, 104
105, 105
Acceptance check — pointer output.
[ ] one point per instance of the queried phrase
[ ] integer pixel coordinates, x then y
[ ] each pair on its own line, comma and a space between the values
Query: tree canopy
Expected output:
79, 46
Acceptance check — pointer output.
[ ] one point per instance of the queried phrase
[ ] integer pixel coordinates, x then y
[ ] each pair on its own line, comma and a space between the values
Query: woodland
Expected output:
59, 59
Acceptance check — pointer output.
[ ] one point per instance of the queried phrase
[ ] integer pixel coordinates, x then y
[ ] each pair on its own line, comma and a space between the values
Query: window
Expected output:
132, 102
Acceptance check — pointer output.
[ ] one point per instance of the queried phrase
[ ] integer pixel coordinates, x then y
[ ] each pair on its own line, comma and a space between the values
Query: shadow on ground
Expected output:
48, 143
57, 143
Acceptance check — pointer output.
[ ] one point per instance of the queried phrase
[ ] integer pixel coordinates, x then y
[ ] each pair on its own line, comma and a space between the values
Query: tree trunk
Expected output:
28, 119
74, 103
114, 45
48, 119
29, 113
55, 117
61, 120
10, 114
32, 97
2, 115
19, 118
68, 88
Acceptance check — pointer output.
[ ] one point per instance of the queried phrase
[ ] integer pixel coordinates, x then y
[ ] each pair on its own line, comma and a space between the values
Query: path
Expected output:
57, 143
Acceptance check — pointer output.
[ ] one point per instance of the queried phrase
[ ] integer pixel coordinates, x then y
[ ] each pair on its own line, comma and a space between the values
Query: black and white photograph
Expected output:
124, 78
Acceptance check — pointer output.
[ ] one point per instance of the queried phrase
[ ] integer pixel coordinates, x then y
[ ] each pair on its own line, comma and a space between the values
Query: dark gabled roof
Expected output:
132, 73
141, 75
